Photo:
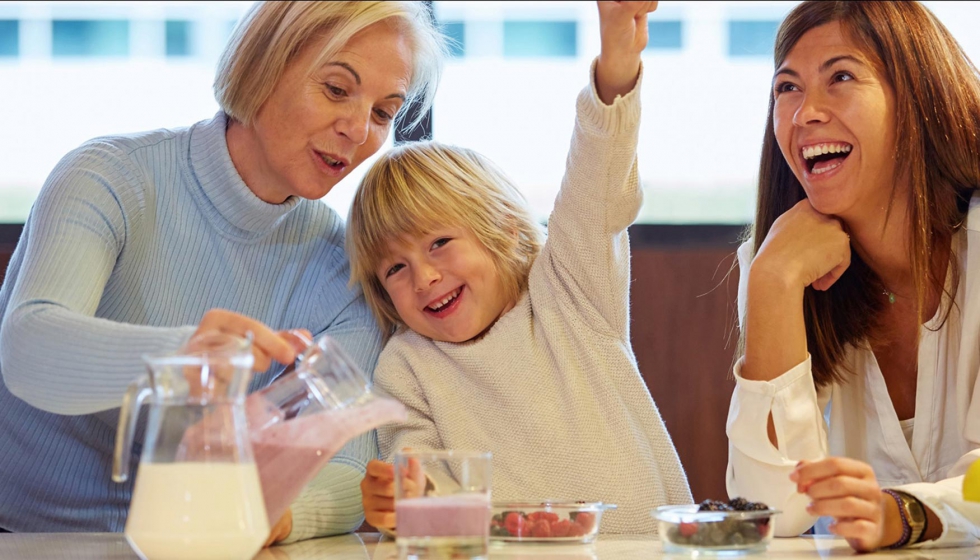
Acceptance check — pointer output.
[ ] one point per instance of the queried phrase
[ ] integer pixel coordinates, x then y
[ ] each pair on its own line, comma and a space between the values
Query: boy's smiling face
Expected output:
444, 284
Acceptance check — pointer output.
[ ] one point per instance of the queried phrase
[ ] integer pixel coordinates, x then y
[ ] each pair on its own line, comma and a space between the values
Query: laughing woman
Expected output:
857, 396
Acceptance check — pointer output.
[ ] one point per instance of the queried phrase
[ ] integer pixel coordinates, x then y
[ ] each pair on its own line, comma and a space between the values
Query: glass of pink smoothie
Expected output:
442, 504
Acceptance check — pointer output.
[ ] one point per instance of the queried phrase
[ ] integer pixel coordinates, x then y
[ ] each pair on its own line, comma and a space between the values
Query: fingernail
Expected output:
302, 336
809, 507
794, 476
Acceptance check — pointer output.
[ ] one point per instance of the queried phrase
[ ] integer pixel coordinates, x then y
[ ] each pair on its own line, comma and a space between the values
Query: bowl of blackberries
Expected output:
715, 527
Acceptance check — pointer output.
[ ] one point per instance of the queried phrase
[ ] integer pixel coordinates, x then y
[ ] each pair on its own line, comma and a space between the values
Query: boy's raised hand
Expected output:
623, 28
378, 494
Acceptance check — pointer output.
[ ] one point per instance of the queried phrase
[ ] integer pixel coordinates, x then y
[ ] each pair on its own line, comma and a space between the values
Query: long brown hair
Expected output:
937, 99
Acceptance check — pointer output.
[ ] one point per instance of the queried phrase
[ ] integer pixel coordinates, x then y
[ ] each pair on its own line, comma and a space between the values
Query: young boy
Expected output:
502, 345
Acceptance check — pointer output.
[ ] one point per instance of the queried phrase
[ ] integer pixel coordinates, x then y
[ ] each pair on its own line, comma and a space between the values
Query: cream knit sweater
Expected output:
553, 389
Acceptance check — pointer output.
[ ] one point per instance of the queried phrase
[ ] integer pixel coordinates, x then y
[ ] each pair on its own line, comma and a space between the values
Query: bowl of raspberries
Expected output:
715, 527
560, 522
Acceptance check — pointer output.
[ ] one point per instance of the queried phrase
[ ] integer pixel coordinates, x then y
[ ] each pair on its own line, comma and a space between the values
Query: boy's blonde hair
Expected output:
271, 34
418, 187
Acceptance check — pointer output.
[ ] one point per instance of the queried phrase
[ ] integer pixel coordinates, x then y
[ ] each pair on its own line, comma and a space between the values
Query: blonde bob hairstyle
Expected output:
271, 34
419, 187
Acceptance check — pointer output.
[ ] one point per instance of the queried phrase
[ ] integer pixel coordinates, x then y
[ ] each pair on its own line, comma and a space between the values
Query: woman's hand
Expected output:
804, 248
623, 28
281, 529
267, 345
847, 490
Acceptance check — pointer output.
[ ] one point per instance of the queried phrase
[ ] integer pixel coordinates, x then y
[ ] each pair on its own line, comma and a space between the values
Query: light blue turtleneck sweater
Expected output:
130, 241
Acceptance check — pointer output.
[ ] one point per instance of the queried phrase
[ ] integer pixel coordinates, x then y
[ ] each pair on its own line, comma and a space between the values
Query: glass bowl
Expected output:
547, 522
684, 529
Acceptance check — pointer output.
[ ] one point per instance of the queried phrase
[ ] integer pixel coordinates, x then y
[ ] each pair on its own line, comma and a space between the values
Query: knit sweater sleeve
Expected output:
54, 354
587, 252
396, 377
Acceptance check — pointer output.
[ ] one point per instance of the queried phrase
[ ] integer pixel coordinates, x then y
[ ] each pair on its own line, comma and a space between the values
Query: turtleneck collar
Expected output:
221, 192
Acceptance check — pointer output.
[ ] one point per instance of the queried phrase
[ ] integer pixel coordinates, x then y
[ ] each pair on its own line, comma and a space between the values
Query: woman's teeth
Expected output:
811, 152
819, 170
439, 305
330, 161
821, 158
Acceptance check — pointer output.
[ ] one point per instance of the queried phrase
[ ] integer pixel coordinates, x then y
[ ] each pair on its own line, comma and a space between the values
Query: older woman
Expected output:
857, 397
137, 242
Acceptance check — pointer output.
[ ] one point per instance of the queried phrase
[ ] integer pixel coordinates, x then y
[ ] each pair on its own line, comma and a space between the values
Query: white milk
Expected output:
206, 511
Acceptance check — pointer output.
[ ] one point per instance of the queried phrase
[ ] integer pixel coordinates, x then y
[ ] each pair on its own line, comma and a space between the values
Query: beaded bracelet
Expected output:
906, 527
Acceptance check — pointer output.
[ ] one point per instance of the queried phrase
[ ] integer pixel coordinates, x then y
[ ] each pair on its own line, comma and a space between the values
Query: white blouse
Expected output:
856, 419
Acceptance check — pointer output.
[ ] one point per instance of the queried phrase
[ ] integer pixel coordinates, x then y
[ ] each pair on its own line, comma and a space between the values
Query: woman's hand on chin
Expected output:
804, 248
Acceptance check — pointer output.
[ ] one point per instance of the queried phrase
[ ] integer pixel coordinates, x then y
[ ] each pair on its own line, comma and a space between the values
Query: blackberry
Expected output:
713, 505
738, 504
756, 506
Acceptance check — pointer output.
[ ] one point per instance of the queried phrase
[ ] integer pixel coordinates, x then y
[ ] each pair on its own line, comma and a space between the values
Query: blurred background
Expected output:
71, 71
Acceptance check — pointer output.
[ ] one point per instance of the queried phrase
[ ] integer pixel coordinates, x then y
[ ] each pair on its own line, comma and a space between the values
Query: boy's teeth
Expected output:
811, 152
447, 299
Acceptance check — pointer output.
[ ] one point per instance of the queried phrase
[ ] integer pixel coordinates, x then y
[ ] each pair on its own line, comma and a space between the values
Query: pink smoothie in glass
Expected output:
460, 515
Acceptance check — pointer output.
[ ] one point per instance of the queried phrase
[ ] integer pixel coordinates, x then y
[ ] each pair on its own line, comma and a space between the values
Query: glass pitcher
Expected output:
197, 491
300, 421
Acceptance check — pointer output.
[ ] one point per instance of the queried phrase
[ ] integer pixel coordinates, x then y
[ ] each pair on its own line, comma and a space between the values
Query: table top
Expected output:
372, 546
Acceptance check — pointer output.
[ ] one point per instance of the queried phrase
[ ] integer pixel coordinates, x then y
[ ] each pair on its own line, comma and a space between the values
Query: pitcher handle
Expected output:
136, 393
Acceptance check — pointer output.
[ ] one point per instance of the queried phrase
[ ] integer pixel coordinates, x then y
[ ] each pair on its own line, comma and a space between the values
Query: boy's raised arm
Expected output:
586, 260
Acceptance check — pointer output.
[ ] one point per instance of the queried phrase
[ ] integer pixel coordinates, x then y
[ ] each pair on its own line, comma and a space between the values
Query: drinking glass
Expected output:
442, 504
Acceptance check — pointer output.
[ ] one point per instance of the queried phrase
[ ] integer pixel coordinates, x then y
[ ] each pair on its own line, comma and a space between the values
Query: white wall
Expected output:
700, 138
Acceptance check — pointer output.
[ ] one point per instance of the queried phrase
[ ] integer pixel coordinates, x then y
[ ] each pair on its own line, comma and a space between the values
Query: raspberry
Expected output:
575, 530
687, 529
549, 516
515, 524
586, 520
541, 529
560, 529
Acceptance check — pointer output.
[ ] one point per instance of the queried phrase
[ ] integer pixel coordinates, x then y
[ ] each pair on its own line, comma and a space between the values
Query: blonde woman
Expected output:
502, 349
139, 241
857, 396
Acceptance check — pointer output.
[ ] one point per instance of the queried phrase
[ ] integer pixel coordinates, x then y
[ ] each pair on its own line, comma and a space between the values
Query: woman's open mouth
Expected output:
330, 164
821, 158
445, 305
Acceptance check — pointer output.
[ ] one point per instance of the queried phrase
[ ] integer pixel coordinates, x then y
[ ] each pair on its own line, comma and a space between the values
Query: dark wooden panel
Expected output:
9, 234
684, 335
5, 252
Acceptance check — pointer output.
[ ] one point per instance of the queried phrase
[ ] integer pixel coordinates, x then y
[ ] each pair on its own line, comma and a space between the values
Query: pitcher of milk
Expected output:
197, 492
